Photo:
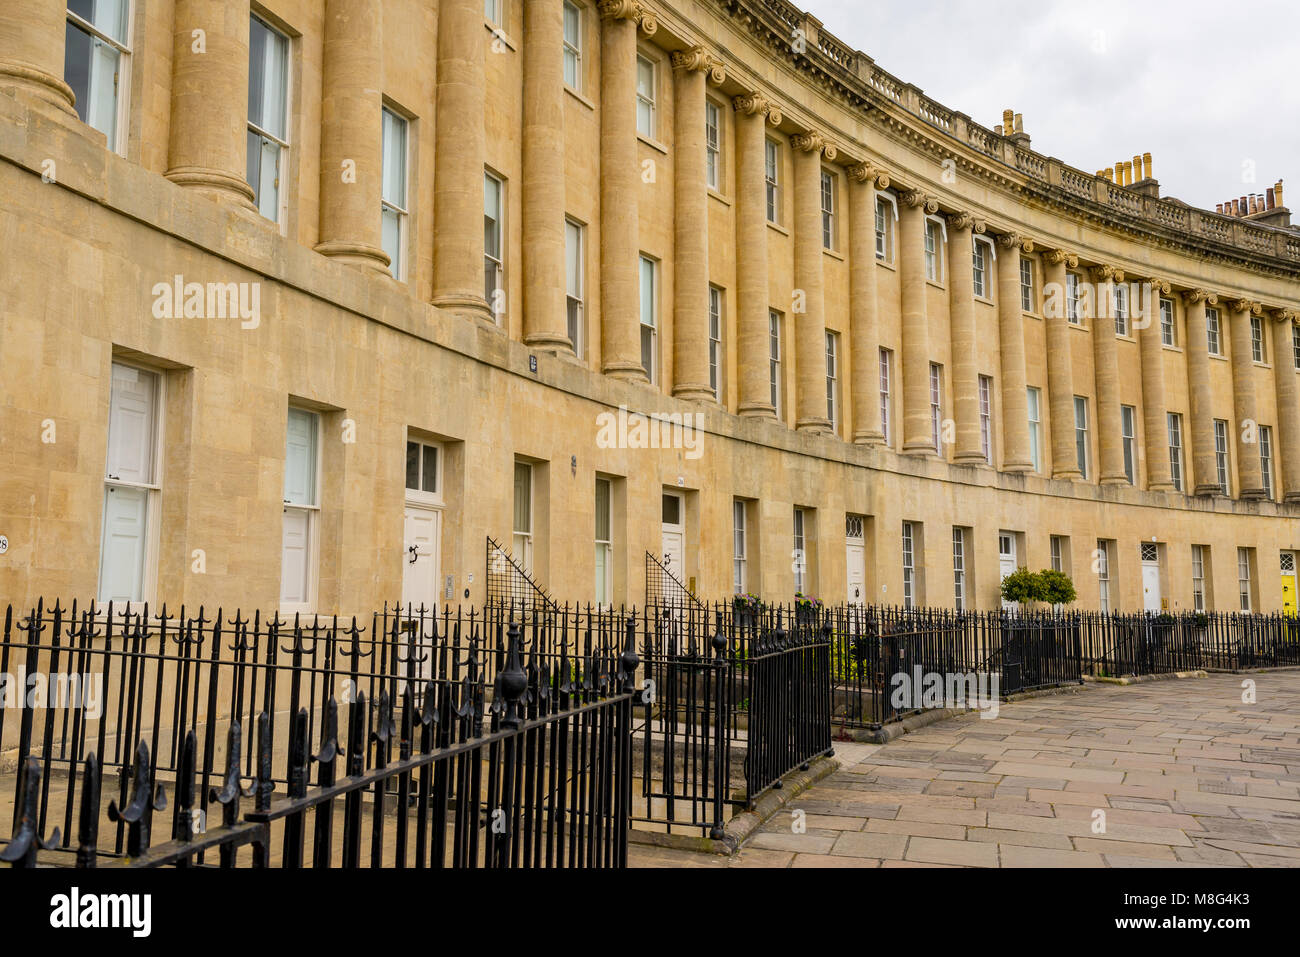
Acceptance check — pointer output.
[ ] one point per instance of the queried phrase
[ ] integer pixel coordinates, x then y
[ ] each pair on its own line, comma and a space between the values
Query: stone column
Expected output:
864, 335
691, 229
1288, 405
1154, 414
31, 51
1011, 342
208, 144
753, 113
546, 324
352, 134
917, 436
1060, 374
459, 151
1200, 396
810, 325
961, 320
620, 187
1245, 410
1110, 440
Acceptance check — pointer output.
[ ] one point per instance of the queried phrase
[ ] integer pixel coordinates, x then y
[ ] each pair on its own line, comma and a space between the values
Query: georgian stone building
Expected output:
256, 350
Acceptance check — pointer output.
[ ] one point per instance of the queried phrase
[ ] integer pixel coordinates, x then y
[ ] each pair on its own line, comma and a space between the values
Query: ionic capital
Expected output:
916, 198
1159, 286
1246, 305
1104, 273
1285, 315
698, 58
810, 142
1012, 240
629, 10
756, 104
1193, 296
862, 172
1058, 256
960, 221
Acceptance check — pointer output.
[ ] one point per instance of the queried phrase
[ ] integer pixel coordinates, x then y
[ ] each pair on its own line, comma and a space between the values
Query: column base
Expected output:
813, 425
694, 392
465, 304
1018, 466
36, 83
869, 437
1068, 475
1252, 495
1160, 487
356, 254
551, 341
1208, 491
1119, 479
975, 459
214, 183
919, 448
1291, 498
756, 411
627, 371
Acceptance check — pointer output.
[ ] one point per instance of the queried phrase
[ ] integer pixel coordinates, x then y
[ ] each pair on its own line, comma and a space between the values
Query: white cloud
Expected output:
1204, 87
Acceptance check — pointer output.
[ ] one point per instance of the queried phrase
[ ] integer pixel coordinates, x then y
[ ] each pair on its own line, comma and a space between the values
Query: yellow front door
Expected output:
1288, 584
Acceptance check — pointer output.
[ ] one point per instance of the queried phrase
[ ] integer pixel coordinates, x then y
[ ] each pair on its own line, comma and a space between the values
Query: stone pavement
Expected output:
1186, 774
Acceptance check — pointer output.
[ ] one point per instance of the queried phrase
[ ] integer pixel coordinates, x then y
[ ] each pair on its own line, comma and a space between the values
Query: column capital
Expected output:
862, 172
813, 142
629, 10
1246, 305
916, 198
697, 58
964, 221
756, 104
1159, 286
1058, 256
1193, 296
1285, 315
1106, 273
1012, 240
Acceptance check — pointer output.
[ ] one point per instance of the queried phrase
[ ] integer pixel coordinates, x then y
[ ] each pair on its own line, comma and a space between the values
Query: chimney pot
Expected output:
1146, 159
1218, 207
1268, 198
1137, 168
998, 130
1020, 123
1008, 121
1277, 193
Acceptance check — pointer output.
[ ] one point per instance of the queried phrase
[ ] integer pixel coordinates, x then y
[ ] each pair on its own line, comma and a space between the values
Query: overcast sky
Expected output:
1210, 89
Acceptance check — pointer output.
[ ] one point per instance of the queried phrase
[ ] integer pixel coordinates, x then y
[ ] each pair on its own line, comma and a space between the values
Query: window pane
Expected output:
602, 510
300, 457
429, 477
394, 145
523, 499
413, 465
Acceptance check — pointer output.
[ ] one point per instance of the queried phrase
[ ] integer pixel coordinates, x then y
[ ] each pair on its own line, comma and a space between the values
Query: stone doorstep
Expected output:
744, 824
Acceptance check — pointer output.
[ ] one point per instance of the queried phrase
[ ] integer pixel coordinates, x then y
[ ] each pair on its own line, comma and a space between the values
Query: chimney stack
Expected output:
1268, 198
1008, 121
1277, 193
1146, 158
1218, 207
1020, 122
1137, 168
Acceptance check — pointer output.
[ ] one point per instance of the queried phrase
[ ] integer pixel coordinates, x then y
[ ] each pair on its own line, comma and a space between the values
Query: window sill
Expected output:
1176, 349
720, 197
1215, 355
652, 143
984, 299
887, 264
936, 284
833, 254
580, 98
1027, 314
1077, 326
1124, 337
778, 227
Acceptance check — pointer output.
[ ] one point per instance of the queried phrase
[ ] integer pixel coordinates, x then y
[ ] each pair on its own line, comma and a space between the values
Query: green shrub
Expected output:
1057, 587
1022, 585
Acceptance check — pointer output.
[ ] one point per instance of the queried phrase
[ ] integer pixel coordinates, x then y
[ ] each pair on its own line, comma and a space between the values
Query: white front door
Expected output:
420, 553
855, 567
1007, 560
674, 536
1151, 586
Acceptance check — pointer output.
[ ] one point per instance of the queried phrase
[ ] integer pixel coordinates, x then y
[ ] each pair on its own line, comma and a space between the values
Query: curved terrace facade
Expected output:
258, 351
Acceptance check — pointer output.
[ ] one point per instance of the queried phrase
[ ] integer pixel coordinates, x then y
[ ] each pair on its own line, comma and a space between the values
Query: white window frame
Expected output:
1174, 430
936, 406
1081, 449
772, 178
523, 540
739, 546
1266, 459
281, 142
1103, 575
647, 97
1119, 306
985, 389
648, 266
1034, 412
1128, 439
1213, 330
1168, 325
420, 495
713, 144
886, 377
603, 546
1027, 298
982, 255
885, 227
909, 565
1072, 311
935, 240
1295, 345
152, 488
1258, 352
717, 357
799, 555
494, 266
395, 207
575, 280
1198, 578
116, 136
959, 567
573, 46
1222, 464
775, 386
1057, 553
832, 379
494, 12
828, 190
1243, 579
312, 511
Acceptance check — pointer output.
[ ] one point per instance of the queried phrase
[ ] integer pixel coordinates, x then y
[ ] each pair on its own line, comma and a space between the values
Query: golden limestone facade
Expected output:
301, 301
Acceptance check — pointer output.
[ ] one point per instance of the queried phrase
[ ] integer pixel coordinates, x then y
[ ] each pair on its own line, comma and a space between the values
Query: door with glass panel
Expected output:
131, 484
1287, 565
1150, 576
855, 563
